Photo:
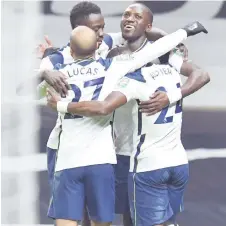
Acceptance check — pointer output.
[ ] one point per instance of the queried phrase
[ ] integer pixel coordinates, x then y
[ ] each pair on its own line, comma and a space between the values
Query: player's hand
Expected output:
57, 80
156, 103
183, 50
52, 99
194, 28
44, 46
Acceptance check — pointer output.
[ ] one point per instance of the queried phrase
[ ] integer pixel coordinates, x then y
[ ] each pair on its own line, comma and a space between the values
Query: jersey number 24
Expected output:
162, 116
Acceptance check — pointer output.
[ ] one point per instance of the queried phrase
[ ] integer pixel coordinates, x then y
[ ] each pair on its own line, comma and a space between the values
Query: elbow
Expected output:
104, 110
205, 77
201, 75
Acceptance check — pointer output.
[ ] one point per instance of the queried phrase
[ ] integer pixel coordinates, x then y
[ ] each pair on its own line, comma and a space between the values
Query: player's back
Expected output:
158, 140
85, 140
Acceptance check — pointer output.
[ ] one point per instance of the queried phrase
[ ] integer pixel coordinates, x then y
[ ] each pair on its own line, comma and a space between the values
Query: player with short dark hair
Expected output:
136, 21
82, 11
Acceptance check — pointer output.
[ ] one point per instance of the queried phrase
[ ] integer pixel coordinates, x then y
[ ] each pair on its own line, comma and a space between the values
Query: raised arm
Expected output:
196, 77
162, 46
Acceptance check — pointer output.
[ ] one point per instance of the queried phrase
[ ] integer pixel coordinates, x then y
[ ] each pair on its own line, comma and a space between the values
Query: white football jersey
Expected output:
123, 117
84, 140
81, 139
157, 49
63, 56
157, 141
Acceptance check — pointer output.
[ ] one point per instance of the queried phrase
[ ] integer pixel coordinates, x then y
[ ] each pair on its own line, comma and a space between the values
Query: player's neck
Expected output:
136, 45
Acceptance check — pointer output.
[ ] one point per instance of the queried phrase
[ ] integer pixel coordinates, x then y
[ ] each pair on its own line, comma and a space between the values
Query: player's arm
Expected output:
157, 33
87, 108
123, 92
52, 77
162, 46
98, 108
152, 35
196, 79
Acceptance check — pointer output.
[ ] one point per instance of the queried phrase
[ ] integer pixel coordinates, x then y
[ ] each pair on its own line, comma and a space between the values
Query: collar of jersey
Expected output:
84, 62
142, 46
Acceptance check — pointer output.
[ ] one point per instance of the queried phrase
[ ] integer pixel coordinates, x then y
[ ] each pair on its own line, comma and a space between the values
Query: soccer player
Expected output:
138, 18
84, 169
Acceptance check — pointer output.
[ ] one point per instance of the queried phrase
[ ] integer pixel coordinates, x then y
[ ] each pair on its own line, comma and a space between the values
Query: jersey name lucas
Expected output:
76, 71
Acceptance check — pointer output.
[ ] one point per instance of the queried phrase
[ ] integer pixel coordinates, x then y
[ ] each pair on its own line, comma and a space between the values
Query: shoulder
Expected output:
58, 57
115, 51
106, 63
136, 75
108, 40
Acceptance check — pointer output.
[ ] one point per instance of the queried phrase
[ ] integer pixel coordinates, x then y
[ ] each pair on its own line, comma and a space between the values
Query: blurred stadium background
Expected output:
25, 128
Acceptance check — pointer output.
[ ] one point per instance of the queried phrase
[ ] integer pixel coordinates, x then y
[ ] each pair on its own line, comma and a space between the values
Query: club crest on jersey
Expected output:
178, 52
123, 82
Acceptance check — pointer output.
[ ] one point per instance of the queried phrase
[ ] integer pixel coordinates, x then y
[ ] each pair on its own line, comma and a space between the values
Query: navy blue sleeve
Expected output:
59, 66
56, 58
105, 62
136, 75
108, 40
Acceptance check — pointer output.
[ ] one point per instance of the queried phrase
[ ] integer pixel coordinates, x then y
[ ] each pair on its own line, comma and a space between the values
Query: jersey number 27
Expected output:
98, 82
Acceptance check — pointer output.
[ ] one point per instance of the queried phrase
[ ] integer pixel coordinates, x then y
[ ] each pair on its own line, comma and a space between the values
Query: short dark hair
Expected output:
81, 11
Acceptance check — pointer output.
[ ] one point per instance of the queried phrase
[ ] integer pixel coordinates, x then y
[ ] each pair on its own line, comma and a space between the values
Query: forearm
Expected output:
93, 108
43, 85
195, 81
157, 49
88, 108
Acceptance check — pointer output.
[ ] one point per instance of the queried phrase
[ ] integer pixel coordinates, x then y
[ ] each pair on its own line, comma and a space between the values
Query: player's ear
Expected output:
71, 52
148, 28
